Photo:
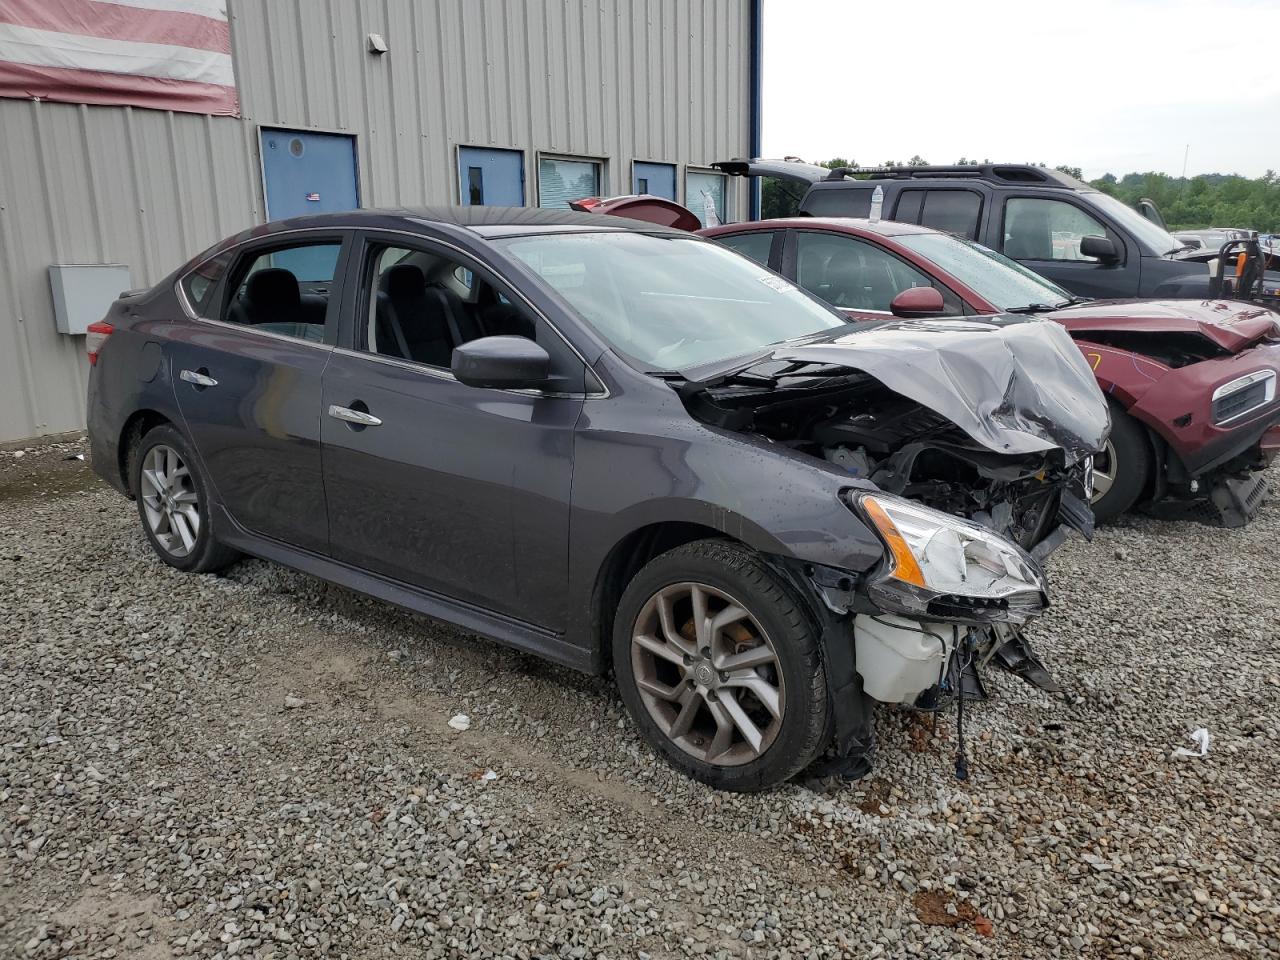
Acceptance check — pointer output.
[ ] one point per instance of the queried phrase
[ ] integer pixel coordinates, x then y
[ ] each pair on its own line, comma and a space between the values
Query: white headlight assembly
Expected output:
945, 568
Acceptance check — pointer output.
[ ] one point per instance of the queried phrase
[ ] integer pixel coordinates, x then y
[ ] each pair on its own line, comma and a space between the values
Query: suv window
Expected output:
951, 211
1040, 229
757, 244
839, 202
285, 289
856, 275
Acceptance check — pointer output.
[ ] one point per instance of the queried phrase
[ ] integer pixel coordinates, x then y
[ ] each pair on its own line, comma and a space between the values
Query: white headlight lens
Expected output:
945, 554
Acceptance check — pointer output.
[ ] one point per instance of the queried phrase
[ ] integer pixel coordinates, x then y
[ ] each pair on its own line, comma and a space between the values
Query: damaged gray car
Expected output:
620, 447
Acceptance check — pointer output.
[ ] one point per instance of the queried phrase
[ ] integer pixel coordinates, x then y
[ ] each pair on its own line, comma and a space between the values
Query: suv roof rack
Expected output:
1000, 172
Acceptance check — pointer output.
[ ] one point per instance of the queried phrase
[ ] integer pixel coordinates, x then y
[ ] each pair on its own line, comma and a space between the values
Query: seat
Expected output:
1028, 236
411, 319
271, 296
847, 282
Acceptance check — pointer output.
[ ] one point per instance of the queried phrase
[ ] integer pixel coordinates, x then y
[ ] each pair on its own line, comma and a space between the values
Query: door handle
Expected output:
358, 417
198, 378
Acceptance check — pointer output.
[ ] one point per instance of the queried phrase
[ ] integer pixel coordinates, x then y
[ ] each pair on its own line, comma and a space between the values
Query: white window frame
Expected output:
729, 208
602, 163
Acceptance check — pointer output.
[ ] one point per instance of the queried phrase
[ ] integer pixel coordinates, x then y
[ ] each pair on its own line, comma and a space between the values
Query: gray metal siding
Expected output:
617, 80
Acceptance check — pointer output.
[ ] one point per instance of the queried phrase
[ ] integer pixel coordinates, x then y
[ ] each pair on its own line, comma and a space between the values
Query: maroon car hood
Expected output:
1231, 325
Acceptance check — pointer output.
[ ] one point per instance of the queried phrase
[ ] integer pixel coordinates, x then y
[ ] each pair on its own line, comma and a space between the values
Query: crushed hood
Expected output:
1016, 385
1230, 324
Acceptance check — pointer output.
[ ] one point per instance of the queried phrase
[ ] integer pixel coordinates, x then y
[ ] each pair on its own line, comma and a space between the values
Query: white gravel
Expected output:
262, 765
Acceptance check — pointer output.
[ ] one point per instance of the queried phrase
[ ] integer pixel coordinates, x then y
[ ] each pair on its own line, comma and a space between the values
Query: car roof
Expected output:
487, 222
883, 228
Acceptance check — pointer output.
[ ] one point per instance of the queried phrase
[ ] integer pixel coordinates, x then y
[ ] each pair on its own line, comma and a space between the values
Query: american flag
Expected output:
163, 54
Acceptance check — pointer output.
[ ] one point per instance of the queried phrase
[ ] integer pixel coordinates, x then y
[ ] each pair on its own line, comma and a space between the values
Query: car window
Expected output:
422, 302
1005, 283
755, 244
669, 302
705, 196
951, 211
856, 275
201, 284
285, 290
1039, 229
839, 202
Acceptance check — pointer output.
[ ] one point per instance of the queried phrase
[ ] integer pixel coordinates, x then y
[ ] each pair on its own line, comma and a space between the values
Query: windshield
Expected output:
993, 276
668, 303
1153, 235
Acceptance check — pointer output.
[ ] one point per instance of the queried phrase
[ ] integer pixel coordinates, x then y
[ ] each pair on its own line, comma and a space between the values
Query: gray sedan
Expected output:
614, 445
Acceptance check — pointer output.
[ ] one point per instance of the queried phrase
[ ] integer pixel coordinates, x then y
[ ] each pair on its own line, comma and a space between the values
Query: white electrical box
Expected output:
84, 292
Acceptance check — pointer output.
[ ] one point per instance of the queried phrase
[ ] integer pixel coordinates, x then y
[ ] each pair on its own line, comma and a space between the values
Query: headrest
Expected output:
274, 288
404, 280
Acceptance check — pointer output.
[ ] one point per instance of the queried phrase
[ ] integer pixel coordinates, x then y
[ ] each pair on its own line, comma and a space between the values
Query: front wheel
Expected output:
1122, 469
719, 666
174, 503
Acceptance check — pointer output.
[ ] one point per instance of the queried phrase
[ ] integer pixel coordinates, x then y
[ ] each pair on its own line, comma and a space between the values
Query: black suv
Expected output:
1085, 240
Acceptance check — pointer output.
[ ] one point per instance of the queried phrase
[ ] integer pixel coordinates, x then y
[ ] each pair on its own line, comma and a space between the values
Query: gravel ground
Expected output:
259, 764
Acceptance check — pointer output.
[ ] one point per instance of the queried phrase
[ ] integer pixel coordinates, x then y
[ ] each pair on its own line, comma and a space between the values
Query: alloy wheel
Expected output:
170, 501
708, 674
1104, 471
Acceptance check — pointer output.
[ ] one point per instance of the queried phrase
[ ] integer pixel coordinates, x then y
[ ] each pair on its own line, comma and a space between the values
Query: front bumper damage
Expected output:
874, 657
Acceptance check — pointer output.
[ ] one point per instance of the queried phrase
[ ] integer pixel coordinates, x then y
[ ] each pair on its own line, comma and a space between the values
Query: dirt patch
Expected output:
876, 799
931, 908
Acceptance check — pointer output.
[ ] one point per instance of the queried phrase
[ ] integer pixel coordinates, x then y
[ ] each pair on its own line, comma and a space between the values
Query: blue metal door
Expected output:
658, 179
493, 178
305, 173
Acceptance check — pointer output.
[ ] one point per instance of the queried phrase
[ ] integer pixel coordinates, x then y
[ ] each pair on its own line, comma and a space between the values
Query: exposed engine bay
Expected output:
995, 422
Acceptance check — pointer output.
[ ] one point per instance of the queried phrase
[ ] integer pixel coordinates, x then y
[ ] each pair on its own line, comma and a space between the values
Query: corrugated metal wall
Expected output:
619, 80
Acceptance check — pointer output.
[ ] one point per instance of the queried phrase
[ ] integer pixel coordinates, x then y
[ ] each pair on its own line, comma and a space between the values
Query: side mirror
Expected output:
1100, 247
916, 303
501, 362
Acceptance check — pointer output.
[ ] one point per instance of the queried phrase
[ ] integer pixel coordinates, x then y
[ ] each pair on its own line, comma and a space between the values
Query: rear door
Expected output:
247, 376
459, 490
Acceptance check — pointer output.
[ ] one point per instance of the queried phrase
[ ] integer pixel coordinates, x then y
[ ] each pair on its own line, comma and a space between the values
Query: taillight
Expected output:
95, 336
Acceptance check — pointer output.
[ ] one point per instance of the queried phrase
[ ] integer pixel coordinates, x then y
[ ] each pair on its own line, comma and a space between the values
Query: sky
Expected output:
1114, 87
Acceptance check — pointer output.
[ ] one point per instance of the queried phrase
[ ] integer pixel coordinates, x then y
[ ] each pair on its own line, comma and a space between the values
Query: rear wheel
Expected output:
1123, 468
719, 666
173, 502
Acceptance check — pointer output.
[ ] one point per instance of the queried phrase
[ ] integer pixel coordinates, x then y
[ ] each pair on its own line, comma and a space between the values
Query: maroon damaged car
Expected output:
1191, 384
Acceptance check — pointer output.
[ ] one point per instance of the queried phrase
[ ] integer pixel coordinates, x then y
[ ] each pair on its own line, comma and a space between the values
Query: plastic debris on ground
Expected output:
1201, 738
460, 722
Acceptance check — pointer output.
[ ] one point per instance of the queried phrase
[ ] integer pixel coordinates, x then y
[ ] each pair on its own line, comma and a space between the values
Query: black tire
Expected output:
1131, 471
204, 554
798, 728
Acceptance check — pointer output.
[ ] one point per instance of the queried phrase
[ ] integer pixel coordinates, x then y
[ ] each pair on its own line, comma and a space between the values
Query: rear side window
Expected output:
839, 202
285, 290
951, 211
755, 245
201, 284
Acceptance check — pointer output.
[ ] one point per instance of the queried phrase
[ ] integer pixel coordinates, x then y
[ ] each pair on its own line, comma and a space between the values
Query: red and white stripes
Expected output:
163, 54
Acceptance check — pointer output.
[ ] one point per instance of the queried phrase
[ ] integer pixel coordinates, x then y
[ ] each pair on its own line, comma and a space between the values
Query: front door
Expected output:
1044, 234
656, 179
459, 490
248, 385
492, 178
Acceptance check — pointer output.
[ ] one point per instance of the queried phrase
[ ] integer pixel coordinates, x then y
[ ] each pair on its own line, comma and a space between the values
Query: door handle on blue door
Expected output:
359, 418
198, 378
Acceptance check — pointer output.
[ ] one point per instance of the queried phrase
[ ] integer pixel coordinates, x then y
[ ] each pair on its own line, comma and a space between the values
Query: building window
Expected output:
562, 180
704, 194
